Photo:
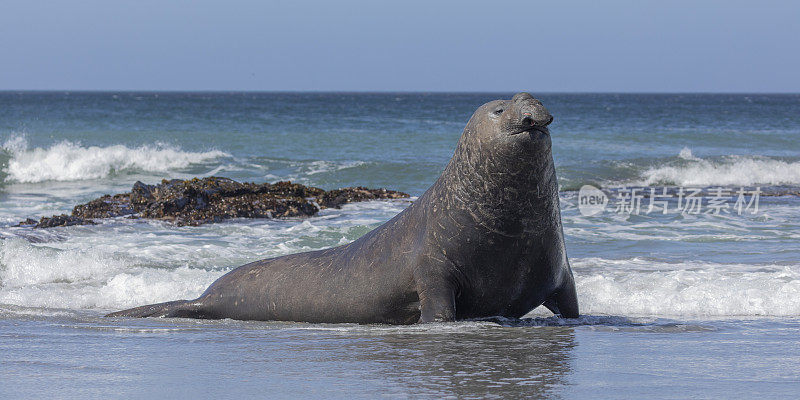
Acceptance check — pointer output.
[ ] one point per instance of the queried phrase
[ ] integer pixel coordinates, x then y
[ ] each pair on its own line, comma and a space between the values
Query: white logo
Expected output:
644, 200
591, 200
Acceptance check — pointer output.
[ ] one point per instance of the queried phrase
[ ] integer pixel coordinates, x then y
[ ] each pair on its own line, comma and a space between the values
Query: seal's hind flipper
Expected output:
170, 309
564, 301
551, 305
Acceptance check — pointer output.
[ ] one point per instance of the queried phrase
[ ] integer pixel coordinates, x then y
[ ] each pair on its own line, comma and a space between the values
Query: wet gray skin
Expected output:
485, 240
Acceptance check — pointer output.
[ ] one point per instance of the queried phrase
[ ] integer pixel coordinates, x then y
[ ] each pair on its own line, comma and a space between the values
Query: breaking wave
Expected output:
67, 161
689, 289
732, 170
34, 276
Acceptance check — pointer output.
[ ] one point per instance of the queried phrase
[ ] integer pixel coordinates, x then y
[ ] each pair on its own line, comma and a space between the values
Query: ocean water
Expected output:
674, 305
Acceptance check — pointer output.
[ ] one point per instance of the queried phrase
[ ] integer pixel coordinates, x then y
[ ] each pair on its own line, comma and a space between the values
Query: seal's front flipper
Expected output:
437, 303
564, 301
170, 309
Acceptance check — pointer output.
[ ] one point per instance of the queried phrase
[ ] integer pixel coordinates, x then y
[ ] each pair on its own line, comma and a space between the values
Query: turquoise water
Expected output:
711, 302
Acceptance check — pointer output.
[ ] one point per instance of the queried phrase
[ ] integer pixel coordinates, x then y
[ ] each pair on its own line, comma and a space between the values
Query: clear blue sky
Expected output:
574, 46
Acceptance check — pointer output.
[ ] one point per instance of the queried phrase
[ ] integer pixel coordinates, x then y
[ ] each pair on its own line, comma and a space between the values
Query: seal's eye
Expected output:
498, 110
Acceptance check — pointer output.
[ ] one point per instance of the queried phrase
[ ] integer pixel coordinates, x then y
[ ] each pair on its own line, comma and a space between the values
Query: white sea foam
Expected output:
321, 166
67, 161
639, 287
133, 263
725, 171
38, 276
302, 171
686, 154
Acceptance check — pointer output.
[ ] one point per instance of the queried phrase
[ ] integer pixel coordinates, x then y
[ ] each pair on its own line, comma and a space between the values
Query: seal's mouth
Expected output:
531, 129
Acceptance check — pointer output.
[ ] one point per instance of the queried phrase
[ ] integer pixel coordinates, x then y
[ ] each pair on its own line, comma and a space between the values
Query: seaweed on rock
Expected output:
213, 199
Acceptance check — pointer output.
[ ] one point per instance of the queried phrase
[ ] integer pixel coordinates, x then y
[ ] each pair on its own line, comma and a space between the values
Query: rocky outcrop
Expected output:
214, 199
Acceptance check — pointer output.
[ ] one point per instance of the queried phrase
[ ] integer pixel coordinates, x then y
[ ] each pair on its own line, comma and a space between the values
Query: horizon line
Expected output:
231, 91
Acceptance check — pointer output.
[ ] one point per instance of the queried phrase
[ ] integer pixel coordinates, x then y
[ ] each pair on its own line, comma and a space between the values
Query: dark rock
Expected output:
141, 194
105, 207
28, 222
335, 198
214, 199
62, 220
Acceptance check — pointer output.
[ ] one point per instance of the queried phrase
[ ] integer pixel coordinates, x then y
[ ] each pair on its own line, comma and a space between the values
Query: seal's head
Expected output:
513, 129
521, 114
503, 164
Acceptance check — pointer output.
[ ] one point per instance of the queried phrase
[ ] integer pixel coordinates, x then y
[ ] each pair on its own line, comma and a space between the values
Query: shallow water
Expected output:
77, 356
676, 305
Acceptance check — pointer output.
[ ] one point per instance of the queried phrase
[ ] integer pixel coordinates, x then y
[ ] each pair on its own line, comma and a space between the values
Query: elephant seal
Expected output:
485, 240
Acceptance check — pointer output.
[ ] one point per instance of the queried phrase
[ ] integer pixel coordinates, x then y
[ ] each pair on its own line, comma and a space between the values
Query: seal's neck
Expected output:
500, 189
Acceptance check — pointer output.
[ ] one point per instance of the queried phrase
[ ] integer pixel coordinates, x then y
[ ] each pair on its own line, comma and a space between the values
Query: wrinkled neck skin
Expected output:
506, 185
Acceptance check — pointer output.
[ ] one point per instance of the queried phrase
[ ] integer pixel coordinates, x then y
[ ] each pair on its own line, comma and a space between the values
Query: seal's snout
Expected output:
530, 112
529, 120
